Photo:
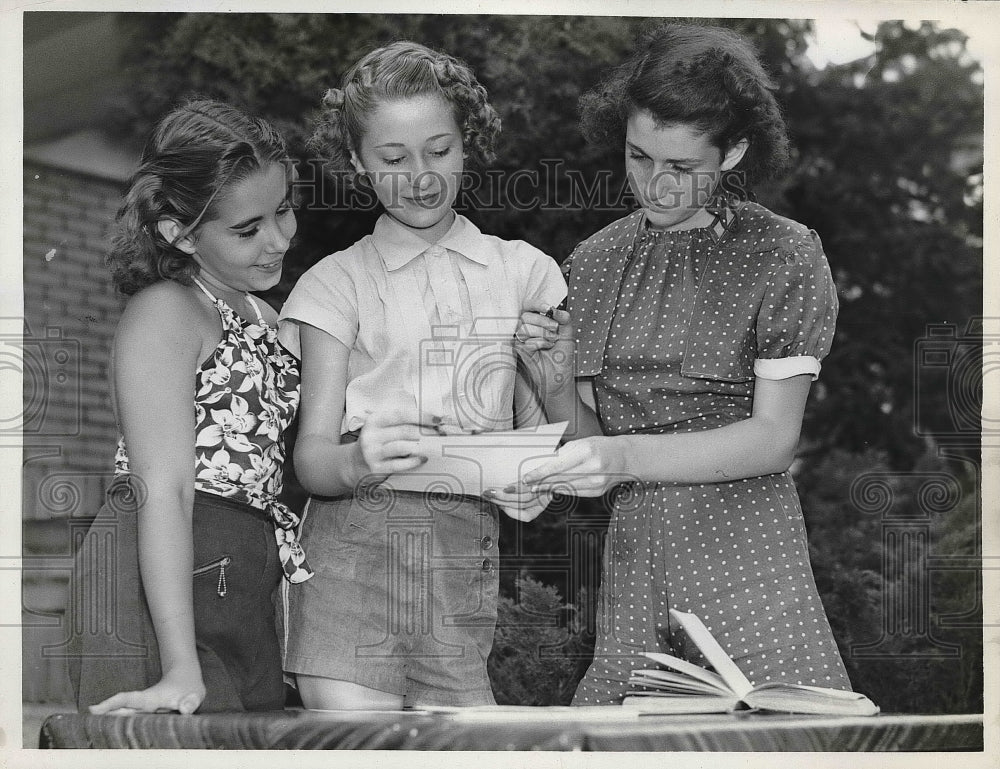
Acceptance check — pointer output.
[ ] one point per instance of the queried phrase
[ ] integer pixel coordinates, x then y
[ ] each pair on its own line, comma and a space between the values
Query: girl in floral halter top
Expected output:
203, 392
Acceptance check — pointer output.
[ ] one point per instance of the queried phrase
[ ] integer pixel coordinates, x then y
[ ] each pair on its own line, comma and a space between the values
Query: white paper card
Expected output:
467, 464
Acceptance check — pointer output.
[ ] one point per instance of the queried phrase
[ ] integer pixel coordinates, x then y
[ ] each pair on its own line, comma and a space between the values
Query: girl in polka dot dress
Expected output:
700, 322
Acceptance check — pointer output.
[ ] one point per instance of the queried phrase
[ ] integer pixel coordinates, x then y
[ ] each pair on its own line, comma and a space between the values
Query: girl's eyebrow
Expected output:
665, 160
254, 219
247, 223
400, 144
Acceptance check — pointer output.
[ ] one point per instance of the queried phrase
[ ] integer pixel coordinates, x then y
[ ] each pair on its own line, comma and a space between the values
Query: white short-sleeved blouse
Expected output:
430, 325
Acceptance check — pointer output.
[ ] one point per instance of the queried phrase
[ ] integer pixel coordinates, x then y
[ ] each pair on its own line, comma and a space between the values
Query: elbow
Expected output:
305, 471
781, 454
782, 462
323, 468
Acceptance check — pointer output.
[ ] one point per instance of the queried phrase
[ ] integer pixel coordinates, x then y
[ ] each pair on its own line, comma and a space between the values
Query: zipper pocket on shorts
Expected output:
220, 564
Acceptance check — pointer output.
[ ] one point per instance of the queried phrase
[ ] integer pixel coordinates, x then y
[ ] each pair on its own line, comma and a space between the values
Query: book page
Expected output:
657, 702
690, 669
467, 464
800, 698
714, 653
664, 680
790, 698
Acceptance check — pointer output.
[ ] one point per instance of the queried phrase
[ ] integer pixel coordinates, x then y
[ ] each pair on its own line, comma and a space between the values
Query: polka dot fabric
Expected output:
677, 354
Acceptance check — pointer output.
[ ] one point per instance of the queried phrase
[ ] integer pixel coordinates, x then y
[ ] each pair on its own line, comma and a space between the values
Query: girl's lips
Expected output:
425, 200
270, 265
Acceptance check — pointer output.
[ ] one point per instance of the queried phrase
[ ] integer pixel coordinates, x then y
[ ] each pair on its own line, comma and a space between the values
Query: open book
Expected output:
682, 687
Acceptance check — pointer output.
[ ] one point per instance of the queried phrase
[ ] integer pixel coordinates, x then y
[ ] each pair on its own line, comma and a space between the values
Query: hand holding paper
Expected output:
471, 464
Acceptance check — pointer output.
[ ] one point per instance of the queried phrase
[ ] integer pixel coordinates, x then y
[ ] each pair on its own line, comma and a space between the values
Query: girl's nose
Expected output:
281, 236
423, 180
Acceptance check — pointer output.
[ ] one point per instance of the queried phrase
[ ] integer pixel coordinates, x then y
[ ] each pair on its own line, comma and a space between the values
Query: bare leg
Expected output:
320, 693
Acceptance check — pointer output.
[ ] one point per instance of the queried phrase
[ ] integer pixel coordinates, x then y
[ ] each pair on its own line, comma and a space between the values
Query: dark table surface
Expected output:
580, 729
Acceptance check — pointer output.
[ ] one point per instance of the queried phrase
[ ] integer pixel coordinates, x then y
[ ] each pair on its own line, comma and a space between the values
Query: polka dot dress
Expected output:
733, 553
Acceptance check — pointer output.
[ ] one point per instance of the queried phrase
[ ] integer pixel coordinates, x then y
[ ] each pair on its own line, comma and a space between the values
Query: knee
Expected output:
320, 693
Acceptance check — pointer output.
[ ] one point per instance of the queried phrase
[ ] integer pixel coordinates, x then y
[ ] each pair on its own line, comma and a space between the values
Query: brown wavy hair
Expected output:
396, 71
195, 153
705, 76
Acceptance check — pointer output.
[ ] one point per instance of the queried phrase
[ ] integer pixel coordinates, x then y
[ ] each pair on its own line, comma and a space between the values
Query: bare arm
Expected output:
546, 340
156, 353
762, 444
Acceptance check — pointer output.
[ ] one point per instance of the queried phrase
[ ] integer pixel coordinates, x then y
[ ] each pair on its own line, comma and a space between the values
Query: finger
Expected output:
390, 466
511, 496
568, 485
535, 345
390, 450
569, 459
189, 704
544, 474
538, 323
525, 516
538, 306
124, 700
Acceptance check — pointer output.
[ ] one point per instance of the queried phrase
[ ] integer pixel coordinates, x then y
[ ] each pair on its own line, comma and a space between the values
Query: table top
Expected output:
517, 728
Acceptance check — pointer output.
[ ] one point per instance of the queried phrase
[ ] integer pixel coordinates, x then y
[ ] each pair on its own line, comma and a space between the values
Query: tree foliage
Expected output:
887, 167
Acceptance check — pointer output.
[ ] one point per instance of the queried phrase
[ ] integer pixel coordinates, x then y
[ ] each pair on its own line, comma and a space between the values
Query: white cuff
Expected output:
784, 368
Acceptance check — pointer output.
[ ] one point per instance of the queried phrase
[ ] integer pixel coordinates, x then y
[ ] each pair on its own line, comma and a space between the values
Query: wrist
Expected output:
358, 466
182, 668
622, 455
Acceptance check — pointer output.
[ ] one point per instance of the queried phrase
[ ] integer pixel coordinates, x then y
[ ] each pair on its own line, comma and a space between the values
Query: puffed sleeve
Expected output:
542, 282
324, 297
798, 314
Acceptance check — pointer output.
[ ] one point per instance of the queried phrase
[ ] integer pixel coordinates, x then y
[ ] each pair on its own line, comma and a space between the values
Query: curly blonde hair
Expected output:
397, 71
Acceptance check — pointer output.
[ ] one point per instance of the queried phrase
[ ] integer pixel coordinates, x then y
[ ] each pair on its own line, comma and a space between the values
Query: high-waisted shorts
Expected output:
236, 573
404, 599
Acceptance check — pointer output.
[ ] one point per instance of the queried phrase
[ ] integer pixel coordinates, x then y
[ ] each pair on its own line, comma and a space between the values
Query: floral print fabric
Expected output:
246, 395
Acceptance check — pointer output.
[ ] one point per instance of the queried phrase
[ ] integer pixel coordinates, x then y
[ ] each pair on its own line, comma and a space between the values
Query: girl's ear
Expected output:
170, 230
735, 154
356, 162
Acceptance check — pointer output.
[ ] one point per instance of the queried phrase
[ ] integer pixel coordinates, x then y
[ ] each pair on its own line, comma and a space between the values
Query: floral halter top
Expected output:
246, 394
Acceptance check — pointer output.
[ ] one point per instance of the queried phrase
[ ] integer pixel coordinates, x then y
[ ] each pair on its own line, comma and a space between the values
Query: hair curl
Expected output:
397, 71
699, 75
195, 153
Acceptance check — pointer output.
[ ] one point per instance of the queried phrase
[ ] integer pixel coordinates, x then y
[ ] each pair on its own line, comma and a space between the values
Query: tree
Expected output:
887, 167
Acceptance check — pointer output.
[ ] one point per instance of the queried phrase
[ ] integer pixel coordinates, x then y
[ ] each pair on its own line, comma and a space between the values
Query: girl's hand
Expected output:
178, 692
519, 502
588, 467
538, 329
545, 341
388, 443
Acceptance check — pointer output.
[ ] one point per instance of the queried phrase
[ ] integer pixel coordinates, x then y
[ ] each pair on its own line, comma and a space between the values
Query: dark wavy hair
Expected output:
195, 153
396, 71
705, 76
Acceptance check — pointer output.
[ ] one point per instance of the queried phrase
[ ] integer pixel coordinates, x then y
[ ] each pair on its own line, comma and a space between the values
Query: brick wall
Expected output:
70, 312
